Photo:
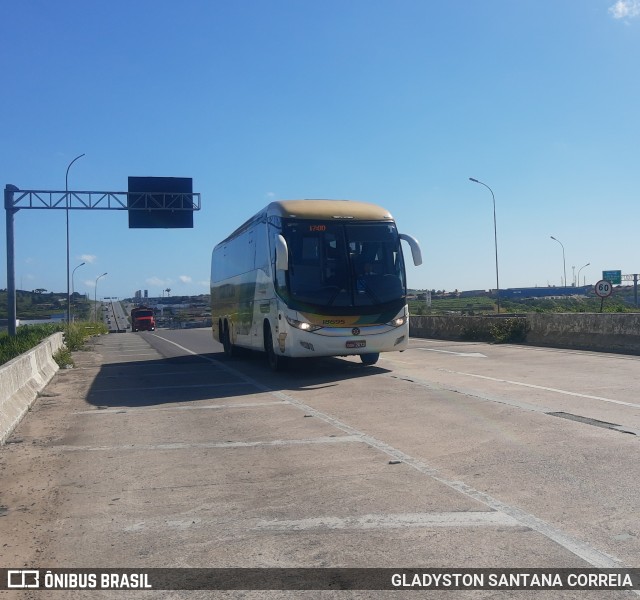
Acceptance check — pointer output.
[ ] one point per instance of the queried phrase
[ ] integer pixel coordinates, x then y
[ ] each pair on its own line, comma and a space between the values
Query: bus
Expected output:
312, 278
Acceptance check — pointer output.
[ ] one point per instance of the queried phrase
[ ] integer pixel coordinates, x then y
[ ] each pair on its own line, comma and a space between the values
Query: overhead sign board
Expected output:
614, 277
160, 202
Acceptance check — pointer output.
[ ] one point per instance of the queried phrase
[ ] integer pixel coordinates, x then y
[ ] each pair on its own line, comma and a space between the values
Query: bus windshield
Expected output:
344, 264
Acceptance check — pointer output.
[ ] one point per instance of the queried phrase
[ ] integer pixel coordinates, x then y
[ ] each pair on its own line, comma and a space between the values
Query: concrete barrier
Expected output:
606, 332
603, 332
22, 378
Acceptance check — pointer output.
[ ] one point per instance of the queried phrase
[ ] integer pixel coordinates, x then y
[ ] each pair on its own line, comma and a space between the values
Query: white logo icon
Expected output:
24, 578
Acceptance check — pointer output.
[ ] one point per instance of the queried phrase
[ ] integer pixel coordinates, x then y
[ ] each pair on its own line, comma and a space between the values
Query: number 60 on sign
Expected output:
603, 288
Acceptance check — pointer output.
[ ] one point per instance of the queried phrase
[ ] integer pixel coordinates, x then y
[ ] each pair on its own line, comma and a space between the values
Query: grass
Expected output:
485, 305
29, 336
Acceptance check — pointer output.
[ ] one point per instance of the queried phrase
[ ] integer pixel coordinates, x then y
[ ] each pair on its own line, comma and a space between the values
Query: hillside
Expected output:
40, 304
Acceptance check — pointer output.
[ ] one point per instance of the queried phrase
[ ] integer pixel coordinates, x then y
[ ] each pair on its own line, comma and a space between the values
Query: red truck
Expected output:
142, 319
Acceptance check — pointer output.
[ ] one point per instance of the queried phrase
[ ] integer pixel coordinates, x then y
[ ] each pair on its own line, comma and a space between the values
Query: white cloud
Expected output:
157, 281
185, 278
88, 258
625, 9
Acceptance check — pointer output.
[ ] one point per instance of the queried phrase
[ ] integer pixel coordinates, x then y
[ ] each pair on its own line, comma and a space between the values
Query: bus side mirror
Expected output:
282, 254
416, 253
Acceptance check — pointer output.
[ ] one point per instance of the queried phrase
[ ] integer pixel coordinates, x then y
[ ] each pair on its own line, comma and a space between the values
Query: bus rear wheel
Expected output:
370, 359
276, 361
229, 349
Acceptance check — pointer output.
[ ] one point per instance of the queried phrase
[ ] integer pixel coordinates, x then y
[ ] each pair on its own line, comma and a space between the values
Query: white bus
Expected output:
309, 278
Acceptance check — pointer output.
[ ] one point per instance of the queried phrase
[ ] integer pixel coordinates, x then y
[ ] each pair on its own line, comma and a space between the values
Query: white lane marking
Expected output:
116, 354
157, 367
395, 360
129, 410
128, 348
392, 521
472, 354
574, 545
373, 521
541, 387
183, 446
544, 410
189, 371
169, 387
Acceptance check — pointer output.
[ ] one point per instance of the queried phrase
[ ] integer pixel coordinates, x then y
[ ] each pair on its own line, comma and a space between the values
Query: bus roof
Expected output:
316, 209
327, 209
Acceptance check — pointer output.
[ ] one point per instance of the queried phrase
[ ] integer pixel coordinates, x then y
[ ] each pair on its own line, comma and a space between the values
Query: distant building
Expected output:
544, 292
475, 293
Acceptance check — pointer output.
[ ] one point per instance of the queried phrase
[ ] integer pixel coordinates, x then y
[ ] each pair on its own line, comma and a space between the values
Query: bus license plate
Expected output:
357, 344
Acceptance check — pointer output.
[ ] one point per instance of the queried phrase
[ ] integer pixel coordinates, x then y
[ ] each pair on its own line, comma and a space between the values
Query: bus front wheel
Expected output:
370, 359
276, 361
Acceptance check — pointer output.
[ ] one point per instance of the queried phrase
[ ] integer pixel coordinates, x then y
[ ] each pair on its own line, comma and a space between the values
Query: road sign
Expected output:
614, 277
603, 288
170, 199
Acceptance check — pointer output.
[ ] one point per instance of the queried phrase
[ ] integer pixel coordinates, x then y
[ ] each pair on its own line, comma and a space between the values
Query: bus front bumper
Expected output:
343, 341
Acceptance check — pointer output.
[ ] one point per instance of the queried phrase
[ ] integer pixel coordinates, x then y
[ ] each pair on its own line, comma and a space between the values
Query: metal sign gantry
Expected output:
633, 277
43, 199
16, 199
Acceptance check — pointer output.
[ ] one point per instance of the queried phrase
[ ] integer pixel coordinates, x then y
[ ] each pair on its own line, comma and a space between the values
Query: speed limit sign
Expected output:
603, 288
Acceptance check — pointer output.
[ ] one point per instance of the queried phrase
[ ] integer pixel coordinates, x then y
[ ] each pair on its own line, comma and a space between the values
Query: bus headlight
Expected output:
398, 322
302, 325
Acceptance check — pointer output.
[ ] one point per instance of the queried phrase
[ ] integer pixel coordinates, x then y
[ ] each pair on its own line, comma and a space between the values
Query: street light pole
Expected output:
495, 238
72, 286
95, 297
580, 269
66, 196
564, 263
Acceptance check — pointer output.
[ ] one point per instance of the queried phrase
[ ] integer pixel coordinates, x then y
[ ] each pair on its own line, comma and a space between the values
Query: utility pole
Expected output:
11, 269
66, 192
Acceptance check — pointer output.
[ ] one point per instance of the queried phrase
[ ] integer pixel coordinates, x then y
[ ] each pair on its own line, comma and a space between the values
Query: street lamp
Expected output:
72, 287
564, 264
66, 196
495, 237
580, 269
95, 296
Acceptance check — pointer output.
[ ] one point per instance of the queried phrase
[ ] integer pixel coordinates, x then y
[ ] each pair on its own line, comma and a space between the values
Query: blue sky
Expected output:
393, 102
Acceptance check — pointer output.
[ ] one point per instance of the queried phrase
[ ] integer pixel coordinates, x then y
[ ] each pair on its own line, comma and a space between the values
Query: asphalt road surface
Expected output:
114, 317
157, 451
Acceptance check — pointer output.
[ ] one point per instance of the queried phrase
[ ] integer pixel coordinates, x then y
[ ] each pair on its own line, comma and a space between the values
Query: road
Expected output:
114, 317
159, 451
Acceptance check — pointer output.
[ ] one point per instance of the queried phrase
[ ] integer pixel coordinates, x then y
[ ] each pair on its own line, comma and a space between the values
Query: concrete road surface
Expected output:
157, 451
